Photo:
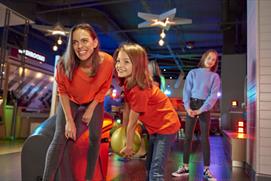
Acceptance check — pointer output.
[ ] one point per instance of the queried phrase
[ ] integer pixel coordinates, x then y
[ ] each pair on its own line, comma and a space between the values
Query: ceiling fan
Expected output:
57, 30
164, 20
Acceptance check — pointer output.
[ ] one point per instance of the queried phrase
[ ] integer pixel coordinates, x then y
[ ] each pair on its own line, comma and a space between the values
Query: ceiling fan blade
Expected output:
145, 24
61, 28
44, 28
52, 30
147, 16
169, 14
48, 34
182, 21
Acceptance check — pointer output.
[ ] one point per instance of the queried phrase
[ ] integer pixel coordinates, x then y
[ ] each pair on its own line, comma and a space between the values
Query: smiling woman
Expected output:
83, 46
83, 77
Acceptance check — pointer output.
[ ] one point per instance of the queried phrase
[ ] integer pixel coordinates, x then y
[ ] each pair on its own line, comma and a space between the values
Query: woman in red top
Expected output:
147, 103
83, 77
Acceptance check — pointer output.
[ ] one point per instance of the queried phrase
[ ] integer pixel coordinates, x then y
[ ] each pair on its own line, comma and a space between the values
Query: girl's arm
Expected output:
188, 85
70, 129
133, 117
127, 151
212, 98
125, 116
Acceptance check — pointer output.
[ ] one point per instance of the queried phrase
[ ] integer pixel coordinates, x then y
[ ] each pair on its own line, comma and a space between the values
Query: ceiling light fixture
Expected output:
59, 41
190, 44
161, 42
164, 20
58, 32
55, 48
163, 34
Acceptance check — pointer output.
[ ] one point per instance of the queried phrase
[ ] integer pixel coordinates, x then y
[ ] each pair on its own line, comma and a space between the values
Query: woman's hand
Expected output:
70, 130
87, 116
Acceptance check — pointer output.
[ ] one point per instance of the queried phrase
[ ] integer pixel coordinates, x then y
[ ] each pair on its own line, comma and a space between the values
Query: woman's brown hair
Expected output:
69, 61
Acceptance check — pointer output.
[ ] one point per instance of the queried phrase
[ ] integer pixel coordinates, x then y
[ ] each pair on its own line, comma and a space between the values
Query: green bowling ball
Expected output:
118, 141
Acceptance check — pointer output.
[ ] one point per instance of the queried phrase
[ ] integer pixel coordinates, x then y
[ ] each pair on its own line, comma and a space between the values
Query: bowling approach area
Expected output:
119, 169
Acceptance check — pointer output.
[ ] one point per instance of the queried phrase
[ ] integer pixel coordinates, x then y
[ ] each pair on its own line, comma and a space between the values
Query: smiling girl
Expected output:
147, 103
83, 77
199, 96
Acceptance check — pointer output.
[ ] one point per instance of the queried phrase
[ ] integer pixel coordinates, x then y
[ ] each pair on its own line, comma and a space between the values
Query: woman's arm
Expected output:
106, 77
70, 129
89, 112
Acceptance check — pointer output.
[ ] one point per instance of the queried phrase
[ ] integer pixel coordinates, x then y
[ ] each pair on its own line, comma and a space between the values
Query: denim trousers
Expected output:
158, 152
190, 124
57, 147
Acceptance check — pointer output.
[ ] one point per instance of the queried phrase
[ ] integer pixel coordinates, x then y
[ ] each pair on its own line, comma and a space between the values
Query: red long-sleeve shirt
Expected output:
82, 88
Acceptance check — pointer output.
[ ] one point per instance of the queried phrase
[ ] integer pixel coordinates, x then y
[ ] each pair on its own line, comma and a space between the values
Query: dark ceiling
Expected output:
216, 24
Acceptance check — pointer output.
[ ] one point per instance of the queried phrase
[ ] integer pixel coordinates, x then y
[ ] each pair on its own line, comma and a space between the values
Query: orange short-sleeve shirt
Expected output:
156, 111
84, 89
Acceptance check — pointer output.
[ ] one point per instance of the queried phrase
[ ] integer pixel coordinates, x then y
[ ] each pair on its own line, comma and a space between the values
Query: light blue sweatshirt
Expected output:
201, 83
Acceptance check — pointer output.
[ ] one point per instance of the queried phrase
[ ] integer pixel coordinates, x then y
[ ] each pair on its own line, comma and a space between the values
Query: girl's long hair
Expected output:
69, 61
155, 68
203, 57
140, 74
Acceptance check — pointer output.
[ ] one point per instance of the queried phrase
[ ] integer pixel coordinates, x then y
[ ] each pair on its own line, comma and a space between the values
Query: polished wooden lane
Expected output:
134, 170
220, 166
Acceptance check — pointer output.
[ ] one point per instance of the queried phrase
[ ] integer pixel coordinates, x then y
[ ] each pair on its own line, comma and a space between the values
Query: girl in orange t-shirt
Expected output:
83, 77
144, 101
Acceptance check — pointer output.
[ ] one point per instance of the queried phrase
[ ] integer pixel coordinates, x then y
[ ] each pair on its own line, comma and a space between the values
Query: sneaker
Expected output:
208, 175
182, 171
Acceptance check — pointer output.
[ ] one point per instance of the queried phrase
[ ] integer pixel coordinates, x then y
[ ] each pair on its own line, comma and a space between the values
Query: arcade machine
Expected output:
27, 92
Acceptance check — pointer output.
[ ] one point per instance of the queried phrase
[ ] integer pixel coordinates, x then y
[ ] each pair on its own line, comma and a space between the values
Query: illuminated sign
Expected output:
234, 103
32, 55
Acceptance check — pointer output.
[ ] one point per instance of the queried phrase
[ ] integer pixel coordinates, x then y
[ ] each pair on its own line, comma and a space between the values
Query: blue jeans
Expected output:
159, 148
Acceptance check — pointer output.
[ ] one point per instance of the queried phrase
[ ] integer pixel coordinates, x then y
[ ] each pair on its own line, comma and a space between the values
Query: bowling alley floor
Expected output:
133, 170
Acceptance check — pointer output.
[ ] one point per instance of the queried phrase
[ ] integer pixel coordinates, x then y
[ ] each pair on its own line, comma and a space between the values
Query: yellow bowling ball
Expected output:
114, 127
118, 141
144, 146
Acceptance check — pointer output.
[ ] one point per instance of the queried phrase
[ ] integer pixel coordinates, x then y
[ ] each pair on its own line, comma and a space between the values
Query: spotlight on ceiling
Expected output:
55, 48
161, 42
163, 34
189, 44
59, 41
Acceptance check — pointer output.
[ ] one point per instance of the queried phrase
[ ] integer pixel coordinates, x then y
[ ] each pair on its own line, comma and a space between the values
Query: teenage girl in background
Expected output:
199, 96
